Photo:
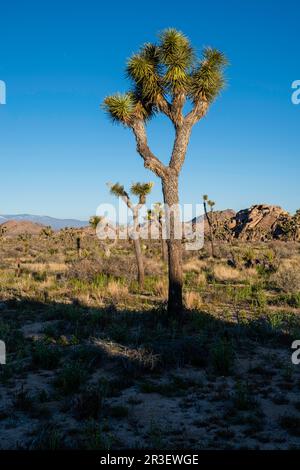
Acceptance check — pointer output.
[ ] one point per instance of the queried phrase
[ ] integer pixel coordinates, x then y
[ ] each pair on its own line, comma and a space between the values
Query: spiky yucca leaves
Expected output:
207, 80
95, 220
118, 190
168, 68
122, 108
119, 107
141, 190
143, 69
177, 55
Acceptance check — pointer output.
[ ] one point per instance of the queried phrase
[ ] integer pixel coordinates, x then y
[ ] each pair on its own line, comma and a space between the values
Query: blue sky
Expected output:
59, 59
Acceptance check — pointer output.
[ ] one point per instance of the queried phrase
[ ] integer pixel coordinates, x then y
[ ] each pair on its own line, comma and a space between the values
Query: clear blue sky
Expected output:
59, 60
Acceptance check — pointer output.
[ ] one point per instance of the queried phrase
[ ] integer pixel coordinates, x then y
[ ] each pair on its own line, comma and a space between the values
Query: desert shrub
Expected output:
39, 276
84, 270
95, 437
293, 300
22, 400
45, 356
48, 437
287, 278
242, 398
190, 279
252, 294
222, 356
88, 355
70, 378
88, 403
13, 338
176, 352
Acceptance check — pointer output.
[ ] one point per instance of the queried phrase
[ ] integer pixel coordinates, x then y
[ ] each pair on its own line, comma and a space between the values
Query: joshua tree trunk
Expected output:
164, 248
78, 246
173, 226
139, 261
138, 251
210, 231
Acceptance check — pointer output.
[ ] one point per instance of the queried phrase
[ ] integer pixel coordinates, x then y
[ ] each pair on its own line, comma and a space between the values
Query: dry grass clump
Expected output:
49, 267
287, 278
160, 288
194, 265
223, 273
117, 290
192, 300
201, 279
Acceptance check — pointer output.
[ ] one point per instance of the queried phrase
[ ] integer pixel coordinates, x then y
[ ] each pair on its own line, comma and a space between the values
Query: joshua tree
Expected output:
47, 232
165, 76
290, 226
211, 204
95, 220
2, 232
141, 190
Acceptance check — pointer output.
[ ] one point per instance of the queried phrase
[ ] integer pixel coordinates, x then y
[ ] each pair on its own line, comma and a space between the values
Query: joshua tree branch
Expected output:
198, 112
183, 133
180, 147
177, 107
165, 107
150, 160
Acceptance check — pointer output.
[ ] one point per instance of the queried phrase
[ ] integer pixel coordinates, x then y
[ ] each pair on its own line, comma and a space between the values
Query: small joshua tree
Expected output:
165, 76
141, 190
47, 232
210, 221
290, 226
94, 221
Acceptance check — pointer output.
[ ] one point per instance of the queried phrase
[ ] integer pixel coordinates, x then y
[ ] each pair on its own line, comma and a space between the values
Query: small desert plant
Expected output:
70, 378
88, 404
45, 356
192, 300
222, 356
22, 400
49, 437
95, 437
242, 397
287, 278
117, 290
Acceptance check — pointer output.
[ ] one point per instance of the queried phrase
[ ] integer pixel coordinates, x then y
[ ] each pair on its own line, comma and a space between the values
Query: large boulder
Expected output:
260, 222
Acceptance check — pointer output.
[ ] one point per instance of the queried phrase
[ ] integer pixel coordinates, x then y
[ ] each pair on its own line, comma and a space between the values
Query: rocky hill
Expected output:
261, 222
14, 228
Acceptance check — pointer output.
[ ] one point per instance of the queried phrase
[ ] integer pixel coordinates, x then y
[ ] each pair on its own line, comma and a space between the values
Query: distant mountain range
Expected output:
55, 224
